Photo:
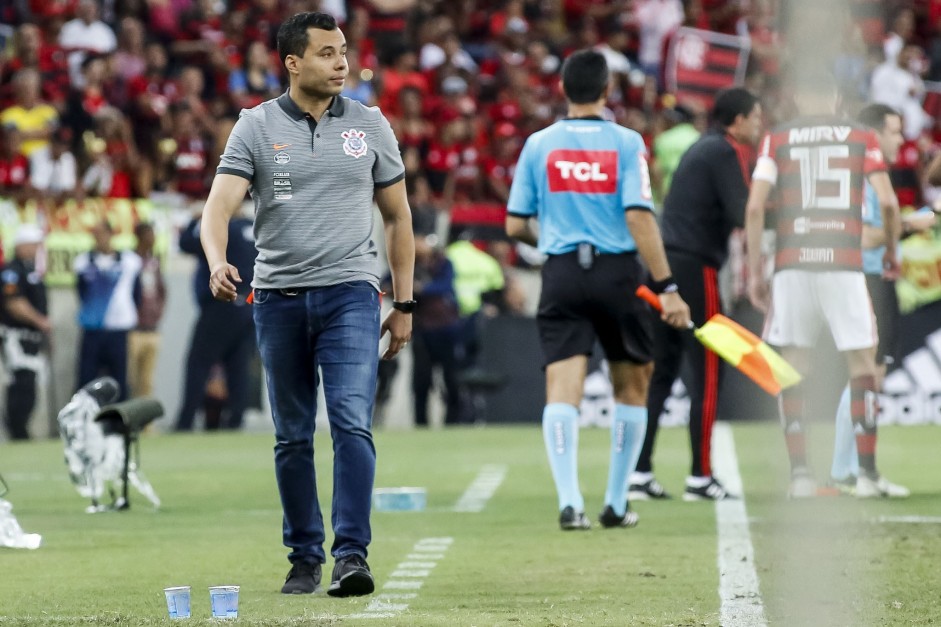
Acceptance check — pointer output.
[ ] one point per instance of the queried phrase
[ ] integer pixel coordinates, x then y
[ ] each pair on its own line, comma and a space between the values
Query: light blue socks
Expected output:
560, 431
628, 429
845, 459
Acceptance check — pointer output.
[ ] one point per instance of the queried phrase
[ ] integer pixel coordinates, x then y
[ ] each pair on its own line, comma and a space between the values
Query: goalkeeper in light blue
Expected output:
844, 473
581, 193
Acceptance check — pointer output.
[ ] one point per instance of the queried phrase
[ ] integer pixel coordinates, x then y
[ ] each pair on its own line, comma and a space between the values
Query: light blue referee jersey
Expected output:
872, 216
577, 177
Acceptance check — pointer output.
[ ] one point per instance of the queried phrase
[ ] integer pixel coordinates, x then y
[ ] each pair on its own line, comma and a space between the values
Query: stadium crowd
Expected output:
121, 98
128, 98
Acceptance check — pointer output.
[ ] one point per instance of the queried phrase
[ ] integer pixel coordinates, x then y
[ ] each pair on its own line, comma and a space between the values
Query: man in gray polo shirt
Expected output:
313, 162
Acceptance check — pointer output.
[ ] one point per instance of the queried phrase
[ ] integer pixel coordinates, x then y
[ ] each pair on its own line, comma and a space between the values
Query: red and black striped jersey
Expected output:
818, 167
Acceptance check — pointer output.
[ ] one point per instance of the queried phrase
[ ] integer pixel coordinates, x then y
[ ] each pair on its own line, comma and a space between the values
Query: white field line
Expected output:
481, 489
739, 593
408, 575
910, 520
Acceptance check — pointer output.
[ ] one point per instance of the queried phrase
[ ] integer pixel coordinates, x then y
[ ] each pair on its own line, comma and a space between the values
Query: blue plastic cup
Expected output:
178, 601
399, 499
224, 601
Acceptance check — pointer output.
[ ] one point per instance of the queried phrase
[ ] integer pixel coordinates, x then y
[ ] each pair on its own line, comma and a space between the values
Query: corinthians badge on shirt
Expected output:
281, 182
354, 143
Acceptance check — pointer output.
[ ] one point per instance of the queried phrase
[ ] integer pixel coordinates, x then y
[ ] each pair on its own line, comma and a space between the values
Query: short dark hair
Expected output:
874, 115
731, 103
585, 76
292, 36
142, 227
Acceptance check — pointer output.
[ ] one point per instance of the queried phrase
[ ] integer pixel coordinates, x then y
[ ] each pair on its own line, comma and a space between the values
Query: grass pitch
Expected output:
826, 562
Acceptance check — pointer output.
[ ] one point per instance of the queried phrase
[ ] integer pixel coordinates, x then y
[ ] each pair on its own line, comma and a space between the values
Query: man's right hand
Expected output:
222, 279
675, 311
759, 293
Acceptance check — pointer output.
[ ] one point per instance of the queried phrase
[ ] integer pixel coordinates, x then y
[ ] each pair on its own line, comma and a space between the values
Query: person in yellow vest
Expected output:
35, 120
479, 284
478, 278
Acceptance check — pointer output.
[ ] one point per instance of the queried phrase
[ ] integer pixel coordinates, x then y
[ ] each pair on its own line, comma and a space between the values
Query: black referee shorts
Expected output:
578, 305
885, 304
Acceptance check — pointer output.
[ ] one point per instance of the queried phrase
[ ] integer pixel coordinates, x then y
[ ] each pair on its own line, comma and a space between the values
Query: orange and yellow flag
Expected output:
745, 350
741, 348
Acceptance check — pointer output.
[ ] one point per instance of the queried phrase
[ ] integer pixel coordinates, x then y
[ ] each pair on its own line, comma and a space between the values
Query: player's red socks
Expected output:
864, 409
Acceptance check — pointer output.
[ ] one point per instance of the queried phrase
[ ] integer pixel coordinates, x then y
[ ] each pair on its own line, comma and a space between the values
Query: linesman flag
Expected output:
741, 348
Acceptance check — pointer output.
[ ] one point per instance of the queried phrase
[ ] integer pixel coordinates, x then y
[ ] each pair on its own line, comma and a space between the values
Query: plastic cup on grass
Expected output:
224, 601
178, 601
399, 499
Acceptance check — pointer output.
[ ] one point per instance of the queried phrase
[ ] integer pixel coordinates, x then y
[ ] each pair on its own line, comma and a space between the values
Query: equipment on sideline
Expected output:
740, 347
98, 438
11, 534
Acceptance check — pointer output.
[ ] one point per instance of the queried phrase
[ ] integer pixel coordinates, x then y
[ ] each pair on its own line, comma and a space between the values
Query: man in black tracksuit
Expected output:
705, 203
224, 332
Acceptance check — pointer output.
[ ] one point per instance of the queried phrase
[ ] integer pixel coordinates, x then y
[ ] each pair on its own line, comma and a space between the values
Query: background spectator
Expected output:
144, 341
106, 280
53, 169
14, 167
34, 119
254, 82
86, 33
437, 338
224, 333
24, 325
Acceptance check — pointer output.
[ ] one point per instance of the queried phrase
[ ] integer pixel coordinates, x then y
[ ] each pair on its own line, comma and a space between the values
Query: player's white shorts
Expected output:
802, 302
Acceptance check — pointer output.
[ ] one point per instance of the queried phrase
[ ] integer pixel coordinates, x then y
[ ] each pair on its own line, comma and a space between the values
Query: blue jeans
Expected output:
335, 328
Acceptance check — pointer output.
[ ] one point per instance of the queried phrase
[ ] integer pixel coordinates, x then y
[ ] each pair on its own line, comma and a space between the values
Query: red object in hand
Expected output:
645, 293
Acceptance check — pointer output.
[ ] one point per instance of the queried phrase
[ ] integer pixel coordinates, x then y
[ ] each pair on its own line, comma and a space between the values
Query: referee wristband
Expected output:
666, 286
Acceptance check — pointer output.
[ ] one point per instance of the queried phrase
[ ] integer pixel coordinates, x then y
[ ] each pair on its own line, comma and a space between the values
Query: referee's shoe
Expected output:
610, 520
570, 520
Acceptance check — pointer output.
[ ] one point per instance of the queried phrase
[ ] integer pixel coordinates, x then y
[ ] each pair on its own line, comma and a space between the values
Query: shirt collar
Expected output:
290, 107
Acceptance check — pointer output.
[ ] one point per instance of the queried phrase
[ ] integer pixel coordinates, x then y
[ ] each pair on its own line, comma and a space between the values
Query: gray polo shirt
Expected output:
313, 186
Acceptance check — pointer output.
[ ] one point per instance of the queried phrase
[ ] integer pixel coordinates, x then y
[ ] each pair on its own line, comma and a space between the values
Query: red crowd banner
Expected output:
701, 63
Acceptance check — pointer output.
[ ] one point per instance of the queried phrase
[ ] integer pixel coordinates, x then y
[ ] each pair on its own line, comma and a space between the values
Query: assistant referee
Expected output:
705, 203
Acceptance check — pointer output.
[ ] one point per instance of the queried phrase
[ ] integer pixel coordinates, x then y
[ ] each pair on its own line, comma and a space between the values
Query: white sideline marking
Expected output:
403, 585
739, 593
411, 575
481, 489
406, 572
424, 556
911, 520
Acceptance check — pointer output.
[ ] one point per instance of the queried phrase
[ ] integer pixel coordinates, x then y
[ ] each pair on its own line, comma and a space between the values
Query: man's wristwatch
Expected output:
405, 306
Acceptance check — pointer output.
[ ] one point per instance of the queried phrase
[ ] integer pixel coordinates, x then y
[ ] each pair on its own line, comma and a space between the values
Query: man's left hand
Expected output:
399, 326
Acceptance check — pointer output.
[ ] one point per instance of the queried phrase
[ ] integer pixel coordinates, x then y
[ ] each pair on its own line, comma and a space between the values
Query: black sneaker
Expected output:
646, 491
351, 577
304, 578
712, 491
569, 519
610, 520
